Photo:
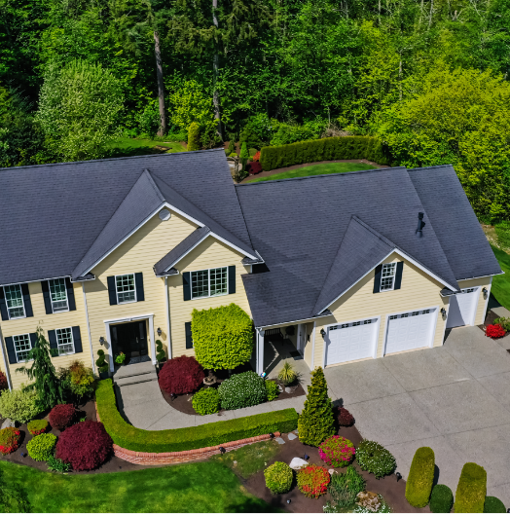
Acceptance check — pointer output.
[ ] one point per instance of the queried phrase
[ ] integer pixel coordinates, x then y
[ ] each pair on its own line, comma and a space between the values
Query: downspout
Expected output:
7, 374
167, 299
88, 327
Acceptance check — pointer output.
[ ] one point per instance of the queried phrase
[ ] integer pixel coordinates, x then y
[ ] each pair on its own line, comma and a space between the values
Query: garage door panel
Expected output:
410, 330
462, 308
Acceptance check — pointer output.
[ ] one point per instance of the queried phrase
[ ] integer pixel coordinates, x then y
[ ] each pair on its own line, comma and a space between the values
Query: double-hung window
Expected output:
209, 282
126, 290
14, 301
65, 342
388, 276
58, 295
22, 346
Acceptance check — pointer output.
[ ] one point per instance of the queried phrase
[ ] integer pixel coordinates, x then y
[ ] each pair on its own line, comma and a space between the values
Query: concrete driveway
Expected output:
455, 399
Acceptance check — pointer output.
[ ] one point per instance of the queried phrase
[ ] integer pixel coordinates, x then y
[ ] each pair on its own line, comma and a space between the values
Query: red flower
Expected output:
256, 157
313, 481
9, 440
495, 331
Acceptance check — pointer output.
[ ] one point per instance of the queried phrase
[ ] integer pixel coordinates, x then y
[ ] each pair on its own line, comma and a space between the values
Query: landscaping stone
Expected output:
8, 423
279, 440
288, 390
331, 471
292, 436
298, 463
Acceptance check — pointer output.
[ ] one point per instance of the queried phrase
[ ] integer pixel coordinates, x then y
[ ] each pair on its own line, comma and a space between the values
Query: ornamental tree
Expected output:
316, 422
222, 337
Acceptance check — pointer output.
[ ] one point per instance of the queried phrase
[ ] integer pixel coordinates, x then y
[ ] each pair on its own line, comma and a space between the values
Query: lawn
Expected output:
318, 169
198, 487
129, 146
501, 283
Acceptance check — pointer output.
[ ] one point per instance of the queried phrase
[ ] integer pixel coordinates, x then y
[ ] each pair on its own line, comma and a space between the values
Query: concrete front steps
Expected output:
135, 374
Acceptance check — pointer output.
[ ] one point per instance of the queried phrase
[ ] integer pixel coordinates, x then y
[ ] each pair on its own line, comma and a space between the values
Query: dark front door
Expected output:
131, 339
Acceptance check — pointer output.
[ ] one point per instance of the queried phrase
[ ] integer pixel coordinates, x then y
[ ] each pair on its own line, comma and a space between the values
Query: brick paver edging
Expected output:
147, 459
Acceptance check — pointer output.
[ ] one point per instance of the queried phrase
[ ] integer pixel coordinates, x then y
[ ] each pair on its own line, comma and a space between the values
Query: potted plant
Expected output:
102, 366
120, 358
160, 353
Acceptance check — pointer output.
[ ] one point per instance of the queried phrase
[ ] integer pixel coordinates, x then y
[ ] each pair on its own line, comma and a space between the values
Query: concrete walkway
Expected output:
454, 399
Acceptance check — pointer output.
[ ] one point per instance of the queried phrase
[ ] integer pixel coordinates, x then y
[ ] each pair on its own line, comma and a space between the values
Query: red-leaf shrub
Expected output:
254, 167
256, 157
3, 381
337, 451
313, 481
495, 331
344, 417
9, 440
61, 416
181, 375
85, 445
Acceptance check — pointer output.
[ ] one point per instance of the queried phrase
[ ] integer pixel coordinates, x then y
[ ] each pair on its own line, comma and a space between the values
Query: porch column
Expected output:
109, 345
260, 351
153, 339
168, 328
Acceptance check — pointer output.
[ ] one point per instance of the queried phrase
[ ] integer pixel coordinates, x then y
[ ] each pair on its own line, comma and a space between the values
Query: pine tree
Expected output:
316, 422
48, 386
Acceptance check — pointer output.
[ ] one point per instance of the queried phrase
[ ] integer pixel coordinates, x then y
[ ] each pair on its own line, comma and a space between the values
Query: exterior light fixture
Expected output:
398, 475
102, 341
443, 313
485, 292
271, 435
288, 501
159, 331
306, 456
323, 332
222, 450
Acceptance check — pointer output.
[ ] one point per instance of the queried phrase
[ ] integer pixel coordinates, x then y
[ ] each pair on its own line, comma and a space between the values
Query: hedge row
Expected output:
326, 149
191, 438
471, 490
421, 477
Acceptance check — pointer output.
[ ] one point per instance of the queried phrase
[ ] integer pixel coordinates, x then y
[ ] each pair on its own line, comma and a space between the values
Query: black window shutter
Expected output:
377, 279
46, 295
10, 350
186, 285
33, 339
52, 336
231, 279
78, 347
112, 290
3, 306
70, 295
189, 338
26, 298
398, 275
140, 295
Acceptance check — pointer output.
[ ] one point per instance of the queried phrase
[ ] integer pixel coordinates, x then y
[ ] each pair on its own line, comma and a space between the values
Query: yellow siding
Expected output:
47, 322
482, 303
418, 291
209, 254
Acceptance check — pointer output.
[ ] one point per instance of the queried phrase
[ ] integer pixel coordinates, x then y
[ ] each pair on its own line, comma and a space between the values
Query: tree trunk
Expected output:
161, 86
216, 96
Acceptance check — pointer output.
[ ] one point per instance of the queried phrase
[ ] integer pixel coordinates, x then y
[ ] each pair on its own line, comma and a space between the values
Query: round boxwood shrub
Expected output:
182, 375
313, 481
41, 447
206, 401
85, 445
441, 499
243, 390
421, 477
493, 504
337, 451
376, 459
279, 477
61, 416
37, 426
9, 440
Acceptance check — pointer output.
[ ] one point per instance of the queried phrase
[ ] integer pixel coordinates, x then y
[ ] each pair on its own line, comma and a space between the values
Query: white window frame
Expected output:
22, 303
16, 351
51, 299
394, 265
58, 343
209, 295
117, 290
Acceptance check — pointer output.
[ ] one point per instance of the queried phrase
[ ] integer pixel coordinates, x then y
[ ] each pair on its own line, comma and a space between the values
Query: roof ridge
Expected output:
374, 231
153, 184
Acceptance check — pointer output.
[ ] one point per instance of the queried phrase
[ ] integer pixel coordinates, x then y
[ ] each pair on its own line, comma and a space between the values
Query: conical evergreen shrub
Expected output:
316, 422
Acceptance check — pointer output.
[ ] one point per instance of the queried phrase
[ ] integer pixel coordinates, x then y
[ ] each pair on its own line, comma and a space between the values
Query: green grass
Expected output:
501, 283
318, 169
249, 459
198, 487
128, 146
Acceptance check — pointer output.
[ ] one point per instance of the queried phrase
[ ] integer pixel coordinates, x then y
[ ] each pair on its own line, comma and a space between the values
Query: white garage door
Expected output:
410, 330
351, 341
462, 308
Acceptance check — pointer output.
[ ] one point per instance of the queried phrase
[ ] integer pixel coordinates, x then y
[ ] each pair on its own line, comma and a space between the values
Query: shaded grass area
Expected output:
129, 146
318, 169
250, 459
198, 487
501, 283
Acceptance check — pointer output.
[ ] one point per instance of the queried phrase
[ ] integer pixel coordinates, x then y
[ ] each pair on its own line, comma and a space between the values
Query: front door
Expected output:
131, 339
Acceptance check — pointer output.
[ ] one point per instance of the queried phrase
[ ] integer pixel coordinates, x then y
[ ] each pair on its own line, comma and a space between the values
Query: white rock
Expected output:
331, 471
288, 390
8, 423
292, 436
298, 463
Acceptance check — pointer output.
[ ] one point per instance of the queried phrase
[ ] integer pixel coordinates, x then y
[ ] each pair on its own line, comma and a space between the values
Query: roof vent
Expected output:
421, 224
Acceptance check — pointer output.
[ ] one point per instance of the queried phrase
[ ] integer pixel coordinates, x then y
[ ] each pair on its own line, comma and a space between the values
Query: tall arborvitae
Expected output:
316, 422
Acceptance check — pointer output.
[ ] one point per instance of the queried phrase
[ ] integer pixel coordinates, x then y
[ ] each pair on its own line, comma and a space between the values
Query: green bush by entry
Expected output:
374, 458
272, 390
20, 405
243, 390
493, 504
206, 401
41, 447
421, 477
279, 477
441, 499
326, 149
471, 490
190, 438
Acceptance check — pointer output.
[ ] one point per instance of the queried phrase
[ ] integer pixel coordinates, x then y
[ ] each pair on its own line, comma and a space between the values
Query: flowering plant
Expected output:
256, 157
495, 331
9, 440
337, 451
313, 481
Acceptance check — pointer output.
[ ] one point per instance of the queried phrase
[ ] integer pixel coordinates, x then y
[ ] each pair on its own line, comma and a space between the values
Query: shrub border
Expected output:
210, 435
